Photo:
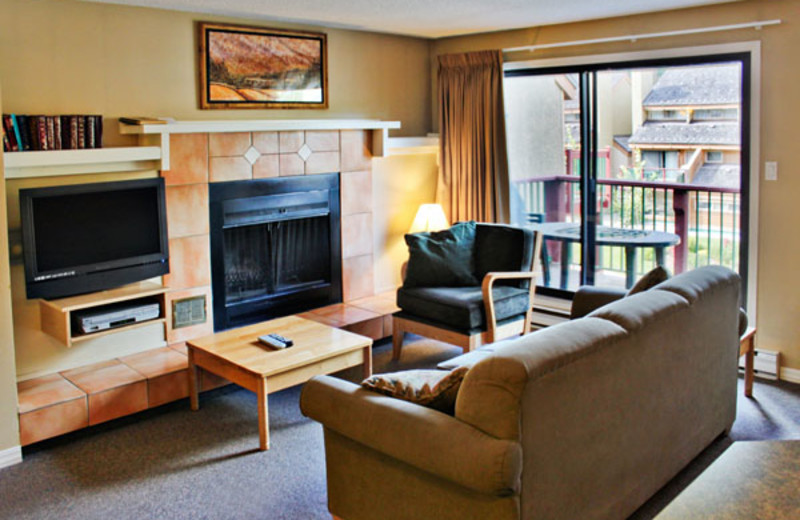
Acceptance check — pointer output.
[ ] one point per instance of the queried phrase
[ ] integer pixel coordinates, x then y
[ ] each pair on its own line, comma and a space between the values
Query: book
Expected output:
8, 126
17, 135
142, 121
22, 126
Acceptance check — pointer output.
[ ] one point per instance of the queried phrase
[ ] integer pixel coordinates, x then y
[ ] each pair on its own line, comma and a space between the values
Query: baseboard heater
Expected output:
765, 363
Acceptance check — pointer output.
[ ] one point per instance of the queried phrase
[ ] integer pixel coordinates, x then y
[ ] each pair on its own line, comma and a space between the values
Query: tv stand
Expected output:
56, 315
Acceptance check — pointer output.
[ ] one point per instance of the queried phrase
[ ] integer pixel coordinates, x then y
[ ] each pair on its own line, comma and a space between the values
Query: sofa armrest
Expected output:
588, 298
421, 437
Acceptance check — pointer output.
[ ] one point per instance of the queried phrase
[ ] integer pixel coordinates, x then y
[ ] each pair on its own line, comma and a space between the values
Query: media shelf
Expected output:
56, 315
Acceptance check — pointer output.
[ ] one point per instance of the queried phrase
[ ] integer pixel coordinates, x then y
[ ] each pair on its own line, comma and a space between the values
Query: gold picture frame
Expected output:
257, 67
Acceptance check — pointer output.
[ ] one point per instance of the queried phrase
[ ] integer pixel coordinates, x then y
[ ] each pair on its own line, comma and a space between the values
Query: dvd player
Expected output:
112, 316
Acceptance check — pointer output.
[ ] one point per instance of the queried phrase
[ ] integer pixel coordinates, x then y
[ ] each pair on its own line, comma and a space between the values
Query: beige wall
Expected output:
63, 56
9, 429
400, 184
778, 297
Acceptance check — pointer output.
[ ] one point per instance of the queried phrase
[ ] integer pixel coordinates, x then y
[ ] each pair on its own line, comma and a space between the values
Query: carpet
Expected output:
171, 463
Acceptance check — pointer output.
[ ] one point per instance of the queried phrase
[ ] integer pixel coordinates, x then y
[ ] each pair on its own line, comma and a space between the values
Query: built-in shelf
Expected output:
409, 145
19, 165
257, 125
56, 315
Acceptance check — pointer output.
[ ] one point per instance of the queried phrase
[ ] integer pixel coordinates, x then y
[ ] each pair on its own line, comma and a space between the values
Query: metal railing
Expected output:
706, 218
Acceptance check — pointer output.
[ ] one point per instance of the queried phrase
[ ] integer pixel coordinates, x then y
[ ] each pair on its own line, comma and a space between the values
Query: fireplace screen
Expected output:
276, 258
275, 247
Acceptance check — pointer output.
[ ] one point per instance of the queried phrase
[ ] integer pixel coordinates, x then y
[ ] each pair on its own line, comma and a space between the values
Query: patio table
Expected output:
630, 239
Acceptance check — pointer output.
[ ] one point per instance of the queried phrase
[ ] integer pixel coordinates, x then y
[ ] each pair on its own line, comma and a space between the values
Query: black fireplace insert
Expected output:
275, 247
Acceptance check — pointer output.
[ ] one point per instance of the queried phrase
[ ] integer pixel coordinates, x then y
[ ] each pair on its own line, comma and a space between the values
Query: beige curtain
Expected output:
473, 178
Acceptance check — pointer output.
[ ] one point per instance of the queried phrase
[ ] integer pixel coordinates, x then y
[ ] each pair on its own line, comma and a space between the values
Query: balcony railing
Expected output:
706, 218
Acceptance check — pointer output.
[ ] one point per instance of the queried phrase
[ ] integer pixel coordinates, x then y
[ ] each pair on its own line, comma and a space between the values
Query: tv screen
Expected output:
90, 237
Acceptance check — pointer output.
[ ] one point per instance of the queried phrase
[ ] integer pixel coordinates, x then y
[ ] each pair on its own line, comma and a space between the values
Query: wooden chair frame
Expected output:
493, 332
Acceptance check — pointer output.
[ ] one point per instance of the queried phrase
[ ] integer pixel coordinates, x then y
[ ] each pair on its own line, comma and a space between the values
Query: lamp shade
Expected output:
430, 217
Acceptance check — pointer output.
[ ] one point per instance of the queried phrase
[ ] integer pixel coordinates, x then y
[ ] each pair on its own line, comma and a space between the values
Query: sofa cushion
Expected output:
461, 308
654, 277
442, 258
435, 389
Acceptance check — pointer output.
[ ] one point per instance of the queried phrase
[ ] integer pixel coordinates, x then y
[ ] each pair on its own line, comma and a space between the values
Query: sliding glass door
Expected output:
631, 165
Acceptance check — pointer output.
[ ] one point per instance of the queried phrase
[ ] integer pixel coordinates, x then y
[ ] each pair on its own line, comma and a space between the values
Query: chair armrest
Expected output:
488, 302
421, 437
588, 298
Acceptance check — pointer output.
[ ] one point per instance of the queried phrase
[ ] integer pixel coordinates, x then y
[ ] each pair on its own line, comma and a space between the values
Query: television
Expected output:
90, 237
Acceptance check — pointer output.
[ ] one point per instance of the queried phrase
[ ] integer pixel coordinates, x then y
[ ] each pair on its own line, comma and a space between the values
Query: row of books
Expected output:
22, 133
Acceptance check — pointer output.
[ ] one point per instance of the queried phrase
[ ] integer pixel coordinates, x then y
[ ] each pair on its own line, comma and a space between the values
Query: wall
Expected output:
9, 429
64, 56
778, 296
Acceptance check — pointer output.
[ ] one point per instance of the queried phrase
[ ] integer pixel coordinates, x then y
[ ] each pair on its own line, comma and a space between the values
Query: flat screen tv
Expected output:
90, 237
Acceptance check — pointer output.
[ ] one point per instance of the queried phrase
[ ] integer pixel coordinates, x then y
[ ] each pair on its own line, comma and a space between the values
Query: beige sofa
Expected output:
582, 420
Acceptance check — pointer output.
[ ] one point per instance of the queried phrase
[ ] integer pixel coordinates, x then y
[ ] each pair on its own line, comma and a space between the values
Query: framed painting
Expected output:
256, 67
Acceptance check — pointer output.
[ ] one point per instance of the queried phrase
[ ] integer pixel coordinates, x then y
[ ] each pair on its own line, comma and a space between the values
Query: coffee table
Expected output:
239, 357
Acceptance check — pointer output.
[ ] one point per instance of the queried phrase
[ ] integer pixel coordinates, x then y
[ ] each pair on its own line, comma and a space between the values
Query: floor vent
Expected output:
765, 363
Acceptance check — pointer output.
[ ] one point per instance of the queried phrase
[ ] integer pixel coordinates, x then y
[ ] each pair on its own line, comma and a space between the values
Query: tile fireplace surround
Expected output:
198, 159
53, 404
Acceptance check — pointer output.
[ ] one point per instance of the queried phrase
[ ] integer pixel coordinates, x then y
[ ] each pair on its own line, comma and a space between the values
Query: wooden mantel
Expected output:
153, 150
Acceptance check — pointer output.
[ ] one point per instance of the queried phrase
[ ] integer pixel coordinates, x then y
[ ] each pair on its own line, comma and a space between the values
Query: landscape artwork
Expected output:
252, 67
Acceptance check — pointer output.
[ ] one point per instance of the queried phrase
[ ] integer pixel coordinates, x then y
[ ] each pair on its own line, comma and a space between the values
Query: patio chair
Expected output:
469, 285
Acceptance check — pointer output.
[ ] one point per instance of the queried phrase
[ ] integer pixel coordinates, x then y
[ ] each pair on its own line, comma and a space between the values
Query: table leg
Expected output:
747, 347
566, 259
194, 390
545, 258
630, 266
263, 416
367, 366
659, 256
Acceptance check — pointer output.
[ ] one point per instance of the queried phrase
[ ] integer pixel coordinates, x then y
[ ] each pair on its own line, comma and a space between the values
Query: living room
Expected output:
119, 61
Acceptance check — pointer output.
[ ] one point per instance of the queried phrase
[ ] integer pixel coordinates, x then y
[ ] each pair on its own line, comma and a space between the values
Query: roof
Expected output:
722, 175
622, 142
696, 86
716, 133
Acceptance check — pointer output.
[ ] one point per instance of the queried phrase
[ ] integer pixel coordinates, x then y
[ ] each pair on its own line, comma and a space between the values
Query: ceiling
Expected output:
422, 18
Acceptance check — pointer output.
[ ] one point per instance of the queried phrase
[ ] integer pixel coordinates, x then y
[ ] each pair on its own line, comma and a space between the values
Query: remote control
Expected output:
280, 338
272, 342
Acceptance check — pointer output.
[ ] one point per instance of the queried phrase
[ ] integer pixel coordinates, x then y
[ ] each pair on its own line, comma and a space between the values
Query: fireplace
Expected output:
275, 247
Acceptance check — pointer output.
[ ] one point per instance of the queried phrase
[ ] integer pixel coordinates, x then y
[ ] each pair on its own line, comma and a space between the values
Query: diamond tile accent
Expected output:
252, 155
304, 152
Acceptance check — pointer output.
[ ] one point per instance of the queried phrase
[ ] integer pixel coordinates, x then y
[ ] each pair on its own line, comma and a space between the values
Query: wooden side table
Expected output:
747, 349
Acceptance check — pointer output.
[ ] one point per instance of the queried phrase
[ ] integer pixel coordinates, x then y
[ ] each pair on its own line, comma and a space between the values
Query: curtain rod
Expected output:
633, 37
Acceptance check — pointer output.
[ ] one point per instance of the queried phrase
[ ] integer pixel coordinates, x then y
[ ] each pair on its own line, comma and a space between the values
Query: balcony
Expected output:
705, 218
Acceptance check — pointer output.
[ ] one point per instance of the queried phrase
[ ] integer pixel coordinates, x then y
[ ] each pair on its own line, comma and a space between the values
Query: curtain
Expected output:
473, 178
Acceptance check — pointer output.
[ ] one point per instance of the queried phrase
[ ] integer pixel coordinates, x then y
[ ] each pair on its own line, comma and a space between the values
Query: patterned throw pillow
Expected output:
435, 389
650, 280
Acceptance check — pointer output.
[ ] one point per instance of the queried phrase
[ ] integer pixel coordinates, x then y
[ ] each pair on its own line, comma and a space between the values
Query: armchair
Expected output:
497, 304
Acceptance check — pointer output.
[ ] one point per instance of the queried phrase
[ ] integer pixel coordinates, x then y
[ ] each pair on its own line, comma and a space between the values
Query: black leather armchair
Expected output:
473, 315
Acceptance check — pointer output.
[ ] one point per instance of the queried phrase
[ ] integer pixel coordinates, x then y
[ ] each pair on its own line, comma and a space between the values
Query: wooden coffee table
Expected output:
238, 356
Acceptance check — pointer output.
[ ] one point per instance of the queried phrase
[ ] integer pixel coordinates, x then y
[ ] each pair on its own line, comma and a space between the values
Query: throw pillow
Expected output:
435, 389
651, 279
442, 258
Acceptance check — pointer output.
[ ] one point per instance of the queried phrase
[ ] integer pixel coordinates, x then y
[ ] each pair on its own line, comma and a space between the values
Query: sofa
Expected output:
582, 420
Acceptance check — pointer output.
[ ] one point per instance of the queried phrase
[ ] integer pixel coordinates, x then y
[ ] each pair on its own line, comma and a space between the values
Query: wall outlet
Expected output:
771, 171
